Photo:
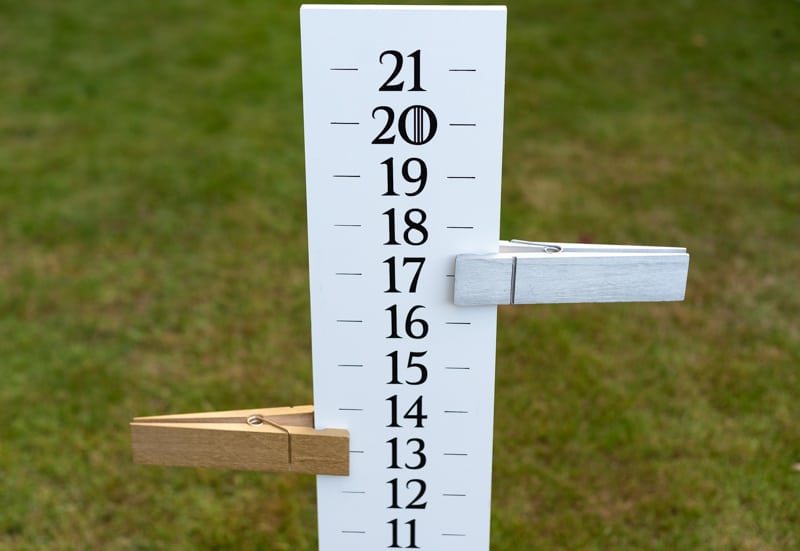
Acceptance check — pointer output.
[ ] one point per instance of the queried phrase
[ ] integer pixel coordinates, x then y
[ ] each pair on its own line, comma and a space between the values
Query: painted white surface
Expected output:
630, 274
461, 69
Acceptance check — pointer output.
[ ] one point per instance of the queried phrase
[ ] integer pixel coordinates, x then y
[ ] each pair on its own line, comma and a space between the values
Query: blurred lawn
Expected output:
152, 260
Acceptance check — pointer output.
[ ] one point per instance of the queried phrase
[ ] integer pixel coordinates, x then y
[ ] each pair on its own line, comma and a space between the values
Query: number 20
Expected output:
416, 125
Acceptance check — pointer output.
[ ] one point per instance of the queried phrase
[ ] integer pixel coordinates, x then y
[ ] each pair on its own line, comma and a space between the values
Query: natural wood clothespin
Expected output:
272, 439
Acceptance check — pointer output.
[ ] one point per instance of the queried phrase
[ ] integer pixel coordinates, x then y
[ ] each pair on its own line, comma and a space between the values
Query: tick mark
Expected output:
347, 225
351, 409
452, 534
454, 495
353, 492
347, 175
357, 451
460, 124
354, 532
453, 454
344, 68
349, 365
461, 177
457, 367
460, 227
458, 323
349, 273
349, 321
349, 123
456, 411
462, 70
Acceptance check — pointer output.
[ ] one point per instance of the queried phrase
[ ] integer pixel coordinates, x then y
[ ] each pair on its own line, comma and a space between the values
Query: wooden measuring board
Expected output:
403, 114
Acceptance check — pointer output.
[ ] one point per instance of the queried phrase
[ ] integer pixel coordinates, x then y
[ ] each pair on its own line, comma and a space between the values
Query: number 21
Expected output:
390, 86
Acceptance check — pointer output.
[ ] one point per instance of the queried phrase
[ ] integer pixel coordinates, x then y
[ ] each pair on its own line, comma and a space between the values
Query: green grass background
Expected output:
153, 260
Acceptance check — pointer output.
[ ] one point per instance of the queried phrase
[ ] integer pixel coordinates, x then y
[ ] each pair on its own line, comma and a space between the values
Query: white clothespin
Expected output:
527, 272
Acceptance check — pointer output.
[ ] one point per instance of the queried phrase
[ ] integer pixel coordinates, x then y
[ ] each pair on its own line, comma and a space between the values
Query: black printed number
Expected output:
416, 125
413, 503
397, 58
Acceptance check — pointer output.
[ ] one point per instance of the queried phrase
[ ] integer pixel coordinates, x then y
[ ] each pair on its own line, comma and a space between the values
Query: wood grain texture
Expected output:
225, 440
589, 277
483, 279
565, 277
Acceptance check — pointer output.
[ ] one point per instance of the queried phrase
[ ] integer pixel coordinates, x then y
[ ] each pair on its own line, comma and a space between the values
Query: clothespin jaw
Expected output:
525, 272
271, 439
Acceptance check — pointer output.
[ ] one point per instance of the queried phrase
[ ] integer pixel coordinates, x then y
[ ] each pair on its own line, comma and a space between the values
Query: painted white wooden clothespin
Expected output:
527, 272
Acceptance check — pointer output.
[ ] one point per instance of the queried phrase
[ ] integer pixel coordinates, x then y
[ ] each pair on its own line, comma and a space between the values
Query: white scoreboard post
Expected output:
403, 114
